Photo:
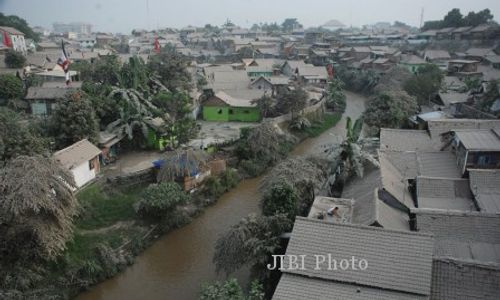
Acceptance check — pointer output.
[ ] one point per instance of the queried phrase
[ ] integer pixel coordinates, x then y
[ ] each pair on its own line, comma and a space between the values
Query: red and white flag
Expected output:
157, 46
6, 40
63, 62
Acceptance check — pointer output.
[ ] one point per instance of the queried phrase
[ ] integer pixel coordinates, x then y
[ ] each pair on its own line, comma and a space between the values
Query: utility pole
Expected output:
421, 17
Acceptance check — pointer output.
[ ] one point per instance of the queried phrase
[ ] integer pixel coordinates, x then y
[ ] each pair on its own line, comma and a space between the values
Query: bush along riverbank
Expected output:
114, 224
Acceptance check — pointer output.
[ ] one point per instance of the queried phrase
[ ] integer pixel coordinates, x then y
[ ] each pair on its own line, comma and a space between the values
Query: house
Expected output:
360, 53
444, 33
412, 62
460, 32
400, 263
437, 56
484, 32
493, 61
463, 67
88, 42
57, 75
82, 160
48, 46
13, 39
223, 107
104, 40
42, 100
479, 54
323, 207
274, 84
477, 149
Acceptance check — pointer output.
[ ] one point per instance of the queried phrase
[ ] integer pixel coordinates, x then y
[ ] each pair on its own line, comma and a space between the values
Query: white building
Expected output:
88, 42
16, 38
82, 159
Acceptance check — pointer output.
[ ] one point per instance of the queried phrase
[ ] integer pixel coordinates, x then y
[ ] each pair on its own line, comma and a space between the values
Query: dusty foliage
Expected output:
182, 164
250, 242
37, 206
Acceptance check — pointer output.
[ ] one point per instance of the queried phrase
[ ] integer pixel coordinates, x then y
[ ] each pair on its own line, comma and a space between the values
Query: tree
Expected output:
171, 67
292, 101
482, 17
246, 52
231, 290
453, 19
134, 74
490, 96
160, 200
250, 242
37, 206
335, 98
425, 84
19, 24
11, 87
281, 199
290, 24
18, 138
265, 105
14, 60
351, 153
105, 70
74, 120
390, 109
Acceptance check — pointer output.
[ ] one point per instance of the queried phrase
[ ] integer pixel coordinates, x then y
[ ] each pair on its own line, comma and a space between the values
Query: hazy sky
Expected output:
125, 15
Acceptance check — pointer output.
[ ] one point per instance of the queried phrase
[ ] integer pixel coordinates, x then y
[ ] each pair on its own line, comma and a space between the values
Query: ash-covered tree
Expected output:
335, 98
11, 87
390, 109
105, 70
290, 24
171, 67
265, 104
14, 59
160, 200
18, 137
292, 101
37, 206
246, 52
425, 84
74, 120
280, 199
250, 242
231, 290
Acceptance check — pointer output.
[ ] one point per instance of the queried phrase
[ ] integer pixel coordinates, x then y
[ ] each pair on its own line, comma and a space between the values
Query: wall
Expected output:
83, 174
215, 113
244, 114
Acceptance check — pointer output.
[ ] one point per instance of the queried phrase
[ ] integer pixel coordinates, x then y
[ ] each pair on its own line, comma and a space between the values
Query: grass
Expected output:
329, 121
104, 208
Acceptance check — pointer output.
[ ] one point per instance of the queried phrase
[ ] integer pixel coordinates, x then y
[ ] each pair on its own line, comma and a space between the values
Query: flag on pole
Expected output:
157, 46
63, 62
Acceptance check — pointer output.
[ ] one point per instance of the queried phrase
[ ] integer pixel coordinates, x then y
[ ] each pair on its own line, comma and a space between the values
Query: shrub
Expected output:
11, 87
160, 200
213, 187
14, 60
229, 179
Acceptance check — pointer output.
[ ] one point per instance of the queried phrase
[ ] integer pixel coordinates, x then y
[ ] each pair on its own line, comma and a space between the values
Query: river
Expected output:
176, 265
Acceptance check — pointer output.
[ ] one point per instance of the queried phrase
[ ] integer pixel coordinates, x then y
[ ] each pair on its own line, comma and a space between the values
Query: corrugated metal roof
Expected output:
483, 140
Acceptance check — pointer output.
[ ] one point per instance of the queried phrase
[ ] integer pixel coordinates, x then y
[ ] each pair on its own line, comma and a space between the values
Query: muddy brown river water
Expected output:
176, 265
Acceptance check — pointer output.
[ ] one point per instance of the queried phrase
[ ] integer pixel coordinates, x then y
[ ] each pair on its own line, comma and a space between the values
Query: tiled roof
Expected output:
296, 287
398, 260
452, 279
469, 236
444, 193
38, 93
437, 54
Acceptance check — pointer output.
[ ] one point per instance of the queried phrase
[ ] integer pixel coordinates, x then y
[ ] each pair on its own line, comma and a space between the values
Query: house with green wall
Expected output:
223, 107
412, 62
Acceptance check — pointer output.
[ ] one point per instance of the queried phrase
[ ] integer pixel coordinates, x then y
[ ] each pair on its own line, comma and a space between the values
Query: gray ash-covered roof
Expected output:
296, 287
444, 193
398, 260
456, 279
76, 154
485, 185
438, 127
479, 140
407, 140
48, 93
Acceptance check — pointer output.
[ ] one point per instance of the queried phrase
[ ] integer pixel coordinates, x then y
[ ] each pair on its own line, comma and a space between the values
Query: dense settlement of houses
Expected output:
427, 222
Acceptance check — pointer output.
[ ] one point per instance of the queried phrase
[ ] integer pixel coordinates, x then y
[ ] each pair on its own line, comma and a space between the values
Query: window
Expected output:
231, 111
246, 111
484, 160
220, 111
91, 164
